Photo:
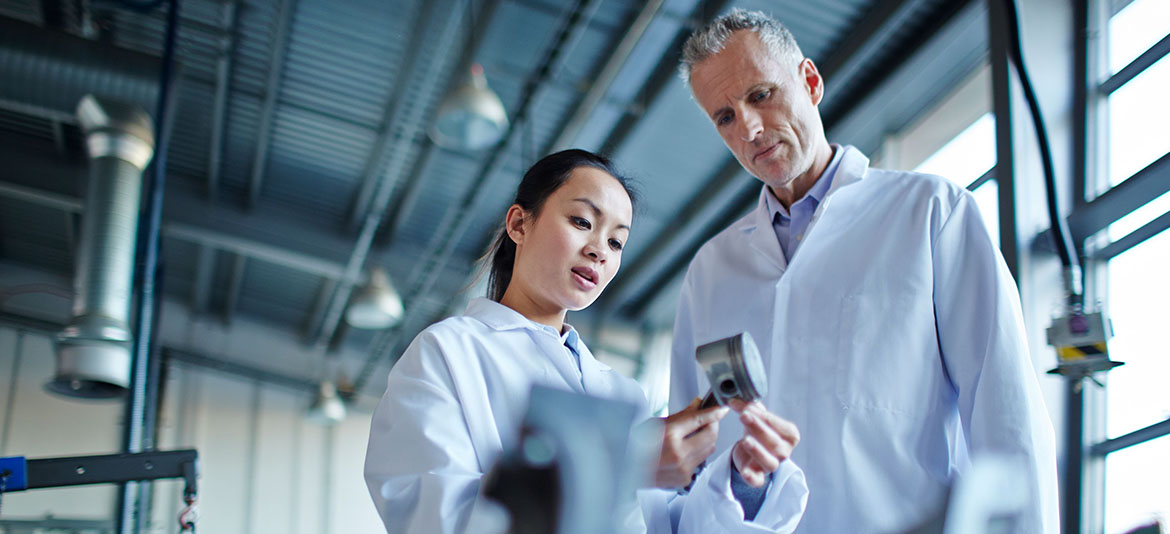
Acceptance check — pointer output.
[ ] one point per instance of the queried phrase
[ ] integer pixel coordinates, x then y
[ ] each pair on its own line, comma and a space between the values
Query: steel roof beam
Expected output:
268, 114
412, 115
204, 271
223, 74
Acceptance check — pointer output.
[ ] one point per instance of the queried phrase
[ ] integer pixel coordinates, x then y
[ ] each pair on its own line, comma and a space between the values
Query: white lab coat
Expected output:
455, 400
894, 341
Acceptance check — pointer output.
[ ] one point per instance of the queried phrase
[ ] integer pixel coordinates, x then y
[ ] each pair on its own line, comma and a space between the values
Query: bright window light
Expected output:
1135, 29
1138, 114
966, 158
1135, 478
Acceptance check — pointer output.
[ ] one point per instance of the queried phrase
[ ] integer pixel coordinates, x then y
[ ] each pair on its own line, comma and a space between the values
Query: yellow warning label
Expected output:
1081, 351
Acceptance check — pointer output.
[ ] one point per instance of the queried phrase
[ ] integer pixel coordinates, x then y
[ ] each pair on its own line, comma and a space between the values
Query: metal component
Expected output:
606, 77
377, 305
268, 115
93, 352
327, 408
113, 468
734, 369
223, 73
1080, 343
1134, 238
54, 70
1137, 66
471, 117
1136, 437
1144, 186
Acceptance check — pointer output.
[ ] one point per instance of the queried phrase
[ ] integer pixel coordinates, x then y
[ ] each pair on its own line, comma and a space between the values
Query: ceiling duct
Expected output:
93, 352
50, 71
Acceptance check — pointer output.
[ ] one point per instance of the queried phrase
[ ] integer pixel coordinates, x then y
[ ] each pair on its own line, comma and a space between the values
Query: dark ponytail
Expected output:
544, 178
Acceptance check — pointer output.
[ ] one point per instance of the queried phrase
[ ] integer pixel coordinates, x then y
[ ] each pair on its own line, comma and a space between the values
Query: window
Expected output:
1137, 288
1139, 110
1135, 478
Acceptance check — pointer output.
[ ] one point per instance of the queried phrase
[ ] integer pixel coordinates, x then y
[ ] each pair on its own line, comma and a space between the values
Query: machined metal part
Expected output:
734, 369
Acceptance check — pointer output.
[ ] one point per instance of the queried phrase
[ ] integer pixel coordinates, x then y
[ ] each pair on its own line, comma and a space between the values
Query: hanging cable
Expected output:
1059, 228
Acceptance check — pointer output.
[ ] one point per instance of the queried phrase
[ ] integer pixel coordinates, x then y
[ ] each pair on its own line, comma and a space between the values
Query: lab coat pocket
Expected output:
880, 358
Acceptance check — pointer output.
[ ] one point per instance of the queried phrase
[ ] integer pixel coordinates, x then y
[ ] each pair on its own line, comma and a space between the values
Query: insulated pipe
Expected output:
52, 71
93, 352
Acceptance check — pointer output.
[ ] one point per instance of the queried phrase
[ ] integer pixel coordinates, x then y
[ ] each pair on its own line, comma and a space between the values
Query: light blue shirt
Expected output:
791, 224
570, 339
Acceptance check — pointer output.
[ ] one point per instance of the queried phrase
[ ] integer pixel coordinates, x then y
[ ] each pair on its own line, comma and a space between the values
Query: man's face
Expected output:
765, 108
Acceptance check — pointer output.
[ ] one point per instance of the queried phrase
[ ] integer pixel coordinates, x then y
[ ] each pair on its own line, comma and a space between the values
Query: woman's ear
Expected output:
516, 223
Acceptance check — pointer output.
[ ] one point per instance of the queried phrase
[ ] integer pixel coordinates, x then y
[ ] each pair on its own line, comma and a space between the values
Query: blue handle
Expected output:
15, 468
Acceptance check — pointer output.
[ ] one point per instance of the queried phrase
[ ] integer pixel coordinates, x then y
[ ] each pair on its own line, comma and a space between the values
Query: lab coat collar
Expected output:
499, 317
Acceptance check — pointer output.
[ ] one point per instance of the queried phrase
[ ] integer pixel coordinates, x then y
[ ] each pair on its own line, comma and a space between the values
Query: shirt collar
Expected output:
500, 317
816, 193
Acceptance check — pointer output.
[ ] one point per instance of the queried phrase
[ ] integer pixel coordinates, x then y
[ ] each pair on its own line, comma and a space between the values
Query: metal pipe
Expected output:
93, 352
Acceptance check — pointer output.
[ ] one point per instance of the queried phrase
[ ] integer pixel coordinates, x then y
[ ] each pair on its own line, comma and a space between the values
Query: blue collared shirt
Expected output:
791, 224
570, 339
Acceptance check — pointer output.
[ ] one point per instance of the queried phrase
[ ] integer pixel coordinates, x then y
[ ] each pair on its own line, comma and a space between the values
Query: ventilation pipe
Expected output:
93, 352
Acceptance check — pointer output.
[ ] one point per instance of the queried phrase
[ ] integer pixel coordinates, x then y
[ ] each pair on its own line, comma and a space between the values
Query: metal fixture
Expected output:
327, 407
471, 117
734, 369
376, 305
93, 352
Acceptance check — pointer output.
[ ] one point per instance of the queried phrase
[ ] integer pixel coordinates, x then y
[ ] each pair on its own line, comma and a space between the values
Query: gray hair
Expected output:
712, 38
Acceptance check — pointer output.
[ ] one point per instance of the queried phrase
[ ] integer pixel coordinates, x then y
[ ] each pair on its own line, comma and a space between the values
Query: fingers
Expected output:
687, 422
765, 436
783, 427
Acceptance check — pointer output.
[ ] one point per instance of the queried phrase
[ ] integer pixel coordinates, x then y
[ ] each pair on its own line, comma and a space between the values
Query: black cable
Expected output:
1059, 228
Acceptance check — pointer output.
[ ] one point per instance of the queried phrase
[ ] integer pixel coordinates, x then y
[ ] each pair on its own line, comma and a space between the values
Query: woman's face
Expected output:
568, 254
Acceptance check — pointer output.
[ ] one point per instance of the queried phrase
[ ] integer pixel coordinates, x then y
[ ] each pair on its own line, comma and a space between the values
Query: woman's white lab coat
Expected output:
455, 400
894, 340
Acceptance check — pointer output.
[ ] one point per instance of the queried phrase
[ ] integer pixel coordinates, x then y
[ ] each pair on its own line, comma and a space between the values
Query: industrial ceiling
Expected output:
298, 155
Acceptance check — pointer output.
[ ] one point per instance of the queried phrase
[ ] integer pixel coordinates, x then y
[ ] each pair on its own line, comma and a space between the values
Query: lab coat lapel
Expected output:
763, 238
852, 169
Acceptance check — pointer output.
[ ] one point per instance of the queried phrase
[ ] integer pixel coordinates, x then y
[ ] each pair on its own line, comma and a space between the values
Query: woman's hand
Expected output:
688, 440
767, 441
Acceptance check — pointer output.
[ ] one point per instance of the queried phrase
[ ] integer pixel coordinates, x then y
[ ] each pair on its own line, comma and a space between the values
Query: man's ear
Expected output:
813, 82
516, 223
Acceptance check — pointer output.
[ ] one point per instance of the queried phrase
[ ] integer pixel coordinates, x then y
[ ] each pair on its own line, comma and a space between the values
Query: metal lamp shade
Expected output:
471, 117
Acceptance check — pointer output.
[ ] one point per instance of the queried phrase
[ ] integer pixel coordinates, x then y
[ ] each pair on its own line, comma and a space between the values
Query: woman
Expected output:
455, 397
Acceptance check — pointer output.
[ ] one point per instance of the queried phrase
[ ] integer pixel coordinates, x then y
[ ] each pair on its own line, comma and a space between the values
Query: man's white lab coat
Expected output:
456, 399
894, 340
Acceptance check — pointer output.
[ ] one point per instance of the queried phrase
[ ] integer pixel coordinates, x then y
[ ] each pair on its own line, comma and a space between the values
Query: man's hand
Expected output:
689, 439
767, 441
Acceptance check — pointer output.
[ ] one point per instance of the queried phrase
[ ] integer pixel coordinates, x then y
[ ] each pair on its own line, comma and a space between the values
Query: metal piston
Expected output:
734, 369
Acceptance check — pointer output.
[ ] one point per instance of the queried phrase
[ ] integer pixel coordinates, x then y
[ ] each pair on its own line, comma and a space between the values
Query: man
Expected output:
889, 324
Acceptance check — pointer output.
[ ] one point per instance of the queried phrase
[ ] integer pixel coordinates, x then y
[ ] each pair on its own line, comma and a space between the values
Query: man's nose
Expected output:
751, 126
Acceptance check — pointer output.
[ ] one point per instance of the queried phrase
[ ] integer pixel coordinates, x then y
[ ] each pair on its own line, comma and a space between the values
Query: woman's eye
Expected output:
615, 244
581, 223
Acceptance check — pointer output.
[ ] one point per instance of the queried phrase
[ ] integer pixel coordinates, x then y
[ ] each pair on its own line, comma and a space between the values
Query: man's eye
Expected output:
723, 119
581, 223
760, 96
615, 244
